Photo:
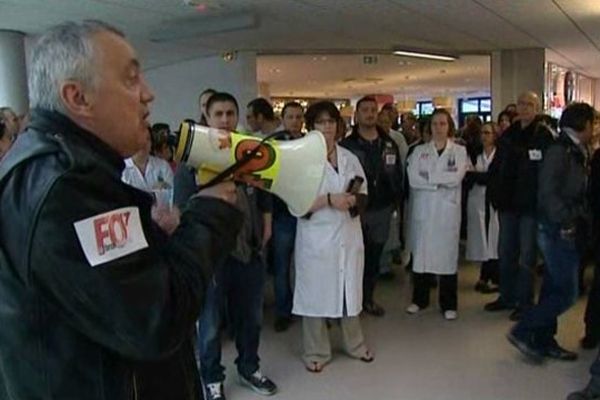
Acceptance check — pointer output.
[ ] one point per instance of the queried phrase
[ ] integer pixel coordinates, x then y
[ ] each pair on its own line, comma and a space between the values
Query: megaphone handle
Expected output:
229, 171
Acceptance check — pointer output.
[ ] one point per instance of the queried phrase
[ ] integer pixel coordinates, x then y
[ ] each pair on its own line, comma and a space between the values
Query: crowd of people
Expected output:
116, 267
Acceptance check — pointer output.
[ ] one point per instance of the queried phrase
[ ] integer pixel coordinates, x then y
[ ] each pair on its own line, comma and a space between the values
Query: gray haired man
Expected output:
89, 284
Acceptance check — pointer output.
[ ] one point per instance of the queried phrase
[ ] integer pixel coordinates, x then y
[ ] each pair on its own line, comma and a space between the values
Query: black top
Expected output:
513, 174
72, 330
381, 162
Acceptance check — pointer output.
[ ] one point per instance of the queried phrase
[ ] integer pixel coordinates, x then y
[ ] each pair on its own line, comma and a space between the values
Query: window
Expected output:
480, 106
424, 108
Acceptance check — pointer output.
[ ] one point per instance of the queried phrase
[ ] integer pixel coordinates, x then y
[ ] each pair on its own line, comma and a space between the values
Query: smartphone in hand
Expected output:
354, 188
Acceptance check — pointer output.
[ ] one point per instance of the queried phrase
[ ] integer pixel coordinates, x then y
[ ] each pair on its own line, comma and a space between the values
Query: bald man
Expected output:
513, 192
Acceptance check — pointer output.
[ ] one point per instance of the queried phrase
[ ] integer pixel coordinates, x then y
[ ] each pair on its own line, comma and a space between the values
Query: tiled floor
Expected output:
422, 357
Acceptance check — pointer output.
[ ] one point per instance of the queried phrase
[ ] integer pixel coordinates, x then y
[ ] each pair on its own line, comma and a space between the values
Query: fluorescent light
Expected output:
429, 56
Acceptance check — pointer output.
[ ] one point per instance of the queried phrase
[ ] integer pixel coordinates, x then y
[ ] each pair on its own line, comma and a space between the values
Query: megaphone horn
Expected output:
267, 164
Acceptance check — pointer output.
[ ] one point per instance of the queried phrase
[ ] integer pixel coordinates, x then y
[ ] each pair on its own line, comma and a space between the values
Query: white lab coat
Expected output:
435, 197
158, 174
329, 251
482, 239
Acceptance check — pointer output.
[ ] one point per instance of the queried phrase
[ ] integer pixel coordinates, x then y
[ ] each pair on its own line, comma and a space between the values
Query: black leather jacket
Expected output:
562, 194
71, 330
513, 174
382, 165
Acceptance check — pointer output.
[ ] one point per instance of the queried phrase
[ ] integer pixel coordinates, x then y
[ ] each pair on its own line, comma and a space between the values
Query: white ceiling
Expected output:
569, 28
320, 75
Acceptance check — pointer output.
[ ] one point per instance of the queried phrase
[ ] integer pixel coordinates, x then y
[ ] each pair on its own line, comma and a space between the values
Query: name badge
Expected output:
115, 234
390, 159
535, 155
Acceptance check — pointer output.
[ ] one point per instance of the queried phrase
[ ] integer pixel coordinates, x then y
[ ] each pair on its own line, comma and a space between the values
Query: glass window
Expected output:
485, 105
470, 106
426, 108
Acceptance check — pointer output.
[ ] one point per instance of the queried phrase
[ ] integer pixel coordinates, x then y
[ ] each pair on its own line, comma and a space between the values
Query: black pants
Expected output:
373, 252
490, 271
592, 309
447, 290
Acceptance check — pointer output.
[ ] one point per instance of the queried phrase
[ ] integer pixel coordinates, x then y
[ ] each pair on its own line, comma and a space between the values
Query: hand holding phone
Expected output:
354, 188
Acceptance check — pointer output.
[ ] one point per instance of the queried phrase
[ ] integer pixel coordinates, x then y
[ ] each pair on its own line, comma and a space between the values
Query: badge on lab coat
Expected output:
451, 166
535, 155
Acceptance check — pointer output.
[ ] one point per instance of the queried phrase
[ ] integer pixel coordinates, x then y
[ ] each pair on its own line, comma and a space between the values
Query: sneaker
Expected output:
259, 383
450, 315
496, 305
214, 391
525, 347
413, 309
558, 353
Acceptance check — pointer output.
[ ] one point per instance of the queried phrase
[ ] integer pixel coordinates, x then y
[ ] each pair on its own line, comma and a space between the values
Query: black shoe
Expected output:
526, 348
496, 305
558, 353
214, 391
585, 394
259, 383
589, 342
374, 309
282, 324
516, 315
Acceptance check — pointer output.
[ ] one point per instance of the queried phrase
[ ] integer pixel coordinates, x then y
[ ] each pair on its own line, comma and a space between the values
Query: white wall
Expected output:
176, 87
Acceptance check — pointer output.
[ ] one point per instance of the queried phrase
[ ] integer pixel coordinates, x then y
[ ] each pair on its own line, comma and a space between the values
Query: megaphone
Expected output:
292, 170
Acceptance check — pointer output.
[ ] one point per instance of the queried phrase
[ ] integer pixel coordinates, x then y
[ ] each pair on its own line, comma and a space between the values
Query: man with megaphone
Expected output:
239, 281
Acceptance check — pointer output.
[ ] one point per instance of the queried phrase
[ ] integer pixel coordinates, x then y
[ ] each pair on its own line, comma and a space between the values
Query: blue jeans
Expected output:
517, 253
284, 237
559, 288
241, 284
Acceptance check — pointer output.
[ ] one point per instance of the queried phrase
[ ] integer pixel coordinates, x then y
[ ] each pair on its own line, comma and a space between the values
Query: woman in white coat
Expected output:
482, 218
329, 252
435, 171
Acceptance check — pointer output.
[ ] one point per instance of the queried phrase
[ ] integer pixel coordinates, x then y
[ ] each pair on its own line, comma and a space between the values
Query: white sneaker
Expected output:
214, 391
450, 315
413, 309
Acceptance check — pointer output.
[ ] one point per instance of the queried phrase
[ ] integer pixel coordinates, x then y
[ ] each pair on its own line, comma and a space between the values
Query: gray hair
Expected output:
65, 52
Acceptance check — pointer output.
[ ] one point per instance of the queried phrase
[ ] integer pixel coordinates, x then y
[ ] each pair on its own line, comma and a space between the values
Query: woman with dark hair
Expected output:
505, 119
482, 218
329, 250
435, 172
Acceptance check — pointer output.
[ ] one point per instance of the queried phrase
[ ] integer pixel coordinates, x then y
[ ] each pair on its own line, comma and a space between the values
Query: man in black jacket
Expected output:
89, 284
562, 216
512, 190
380, 159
